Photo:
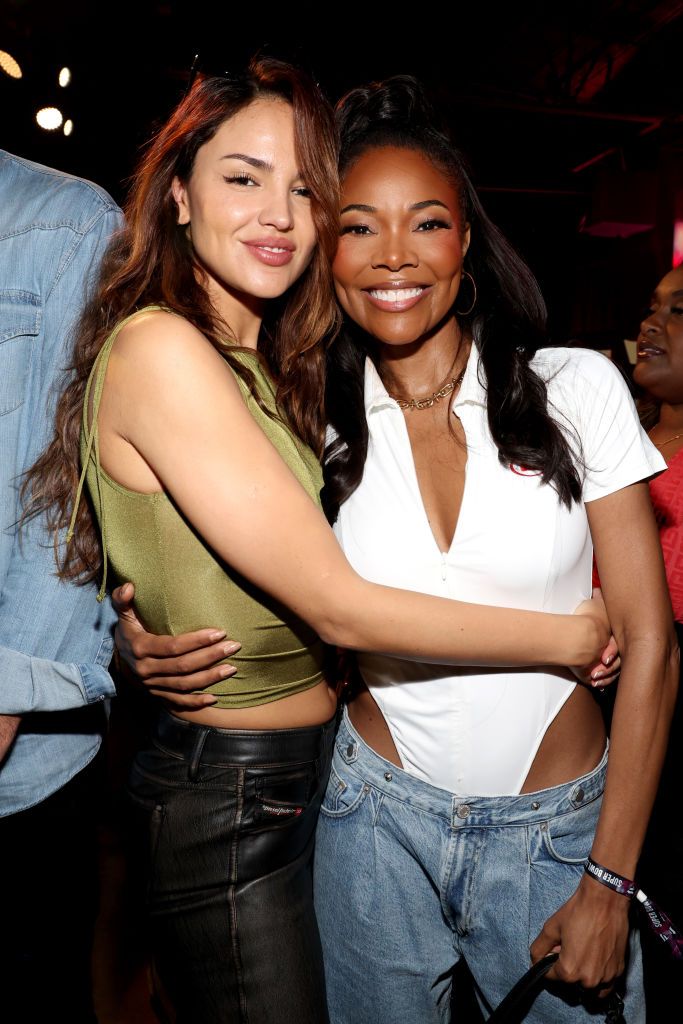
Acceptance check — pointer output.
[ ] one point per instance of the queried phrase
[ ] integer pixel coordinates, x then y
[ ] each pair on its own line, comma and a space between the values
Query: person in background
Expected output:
659, 372
55, 641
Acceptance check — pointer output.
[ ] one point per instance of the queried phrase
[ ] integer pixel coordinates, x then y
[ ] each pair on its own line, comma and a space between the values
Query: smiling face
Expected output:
247, 207
660, 342
399, 261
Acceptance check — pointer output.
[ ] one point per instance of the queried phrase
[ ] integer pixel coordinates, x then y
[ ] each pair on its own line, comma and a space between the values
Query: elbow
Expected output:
336, 630
341, 614
340, 623
657, 658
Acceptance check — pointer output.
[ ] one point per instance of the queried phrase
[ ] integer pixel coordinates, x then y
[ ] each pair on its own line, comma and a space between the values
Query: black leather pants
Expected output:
228, 819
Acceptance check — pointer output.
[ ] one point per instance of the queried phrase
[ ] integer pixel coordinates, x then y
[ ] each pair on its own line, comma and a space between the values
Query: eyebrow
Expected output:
428, 202
364, 208
361, 207
261, 165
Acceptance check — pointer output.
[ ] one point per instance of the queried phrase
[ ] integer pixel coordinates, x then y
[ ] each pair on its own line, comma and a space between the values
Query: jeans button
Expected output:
349, 750
463, 810
388, 776
579, 795
535, 805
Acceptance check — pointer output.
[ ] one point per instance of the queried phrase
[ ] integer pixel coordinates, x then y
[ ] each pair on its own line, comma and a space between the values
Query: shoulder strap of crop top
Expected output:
92, 444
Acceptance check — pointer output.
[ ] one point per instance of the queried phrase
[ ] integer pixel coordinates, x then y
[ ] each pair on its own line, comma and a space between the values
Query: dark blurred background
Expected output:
570, 113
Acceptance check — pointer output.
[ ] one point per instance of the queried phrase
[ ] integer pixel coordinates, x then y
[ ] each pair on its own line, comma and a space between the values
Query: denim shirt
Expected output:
55, 639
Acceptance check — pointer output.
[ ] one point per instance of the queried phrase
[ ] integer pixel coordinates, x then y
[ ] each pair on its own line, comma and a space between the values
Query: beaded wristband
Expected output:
660, 923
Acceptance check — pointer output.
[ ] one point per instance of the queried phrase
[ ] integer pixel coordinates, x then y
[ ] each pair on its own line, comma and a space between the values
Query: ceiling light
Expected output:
9, 65
64, 77
49, 118
68, 127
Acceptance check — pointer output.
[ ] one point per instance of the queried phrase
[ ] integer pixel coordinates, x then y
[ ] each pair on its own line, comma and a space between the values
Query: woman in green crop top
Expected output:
200, 455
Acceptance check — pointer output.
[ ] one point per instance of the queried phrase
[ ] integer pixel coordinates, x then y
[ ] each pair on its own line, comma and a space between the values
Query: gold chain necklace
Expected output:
662, 443
426, 403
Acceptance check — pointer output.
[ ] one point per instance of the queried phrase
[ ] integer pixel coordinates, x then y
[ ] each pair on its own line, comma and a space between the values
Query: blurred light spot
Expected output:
9, 65
49, 118
678, 243
68, 127
64, 77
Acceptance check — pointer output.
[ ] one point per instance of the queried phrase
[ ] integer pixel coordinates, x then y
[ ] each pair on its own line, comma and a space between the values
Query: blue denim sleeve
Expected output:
55, 638
36, 684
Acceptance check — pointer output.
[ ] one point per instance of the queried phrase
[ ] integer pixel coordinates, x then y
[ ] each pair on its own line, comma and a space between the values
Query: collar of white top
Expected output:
471, 390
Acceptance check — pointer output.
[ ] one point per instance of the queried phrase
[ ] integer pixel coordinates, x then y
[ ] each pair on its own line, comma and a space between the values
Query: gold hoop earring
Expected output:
467, 312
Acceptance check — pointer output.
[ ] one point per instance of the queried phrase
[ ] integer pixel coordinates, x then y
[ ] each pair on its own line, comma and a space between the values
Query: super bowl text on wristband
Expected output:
660, 923
621, 885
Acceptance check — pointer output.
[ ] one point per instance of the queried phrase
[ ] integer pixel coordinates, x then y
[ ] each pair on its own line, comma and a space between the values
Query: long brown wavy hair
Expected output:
151, 262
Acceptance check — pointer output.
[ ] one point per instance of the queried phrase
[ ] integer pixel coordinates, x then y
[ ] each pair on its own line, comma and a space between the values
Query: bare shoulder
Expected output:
158, 349
158, 335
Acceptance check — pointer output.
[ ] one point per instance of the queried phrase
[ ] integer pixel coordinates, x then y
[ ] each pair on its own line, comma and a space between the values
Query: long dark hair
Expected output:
151, 262
507, 323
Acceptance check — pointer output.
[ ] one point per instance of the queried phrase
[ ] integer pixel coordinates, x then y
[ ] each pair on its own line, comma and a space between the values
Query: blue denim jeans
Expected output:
410, 878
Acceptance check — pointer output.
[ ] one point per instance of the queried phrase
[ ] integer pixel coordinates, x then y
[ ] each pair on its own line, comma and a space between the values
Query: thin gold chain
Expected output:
662, 443
426, 403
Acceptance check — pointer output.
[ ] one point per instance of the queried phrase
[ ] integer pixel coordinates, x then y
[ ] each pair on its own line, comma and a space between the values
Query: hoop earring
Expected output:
467, 312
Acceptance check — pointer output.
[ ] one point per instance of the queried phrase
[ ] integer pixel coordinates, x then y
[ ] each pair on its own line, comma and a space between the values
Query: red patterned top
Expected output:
666, 491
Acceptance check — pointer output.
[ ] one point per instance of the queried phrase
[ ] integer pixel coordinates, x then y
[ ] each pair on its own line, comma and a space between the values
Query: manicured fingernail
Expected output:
227, 670
608, 660
231, 648
598, 674
209, 703
220, 634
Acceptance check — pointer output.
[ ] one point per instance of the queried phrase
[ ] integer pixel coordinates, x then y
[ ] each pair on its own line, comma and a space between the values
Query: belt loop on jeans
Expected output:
196, 756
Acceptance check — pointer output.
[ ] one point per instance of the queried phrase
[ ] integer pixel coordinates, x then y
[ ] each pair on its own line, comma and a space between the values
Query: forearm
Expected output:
638, 740
421, 627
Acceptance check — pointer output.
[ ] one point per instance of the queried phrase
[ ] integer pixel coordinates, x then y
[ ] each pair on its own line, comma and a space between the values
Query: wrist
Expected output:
584, 640
602, 897
607, 886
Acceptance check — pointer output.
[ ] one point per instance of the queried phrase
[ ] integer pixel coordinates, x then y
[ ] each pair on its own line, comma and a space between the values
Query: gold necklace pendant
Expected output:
436, 396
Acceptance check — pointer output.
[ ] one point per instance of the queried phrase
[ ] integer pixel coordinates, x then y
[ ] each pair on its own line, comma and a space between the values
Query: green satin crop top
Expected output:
181, 584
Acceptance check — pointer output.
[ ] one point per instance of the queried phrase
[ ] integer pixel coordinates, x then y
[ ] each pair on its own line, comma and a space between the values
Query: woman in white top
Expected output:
466, 461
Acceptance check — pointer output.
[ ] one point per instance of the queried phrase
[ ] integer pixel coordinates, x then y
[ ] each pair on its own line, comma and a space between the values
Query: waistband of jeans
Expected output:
242, 747
466, 810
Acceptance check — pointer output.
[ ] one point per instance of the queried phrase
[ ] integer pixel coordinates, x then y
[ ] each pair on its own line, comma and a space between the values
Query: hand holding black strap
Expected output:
521, 995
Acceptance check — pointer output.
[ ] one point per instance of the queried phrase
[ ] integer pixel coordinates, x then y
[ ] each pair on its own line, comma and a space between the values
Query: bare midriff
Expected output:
572, 746
311, 707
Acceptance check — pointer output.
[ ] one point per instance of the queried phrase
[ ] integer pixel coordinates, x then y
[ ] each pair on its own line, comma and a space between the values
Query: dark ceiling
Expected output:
570, 113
